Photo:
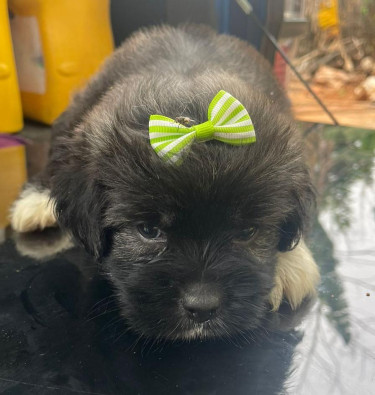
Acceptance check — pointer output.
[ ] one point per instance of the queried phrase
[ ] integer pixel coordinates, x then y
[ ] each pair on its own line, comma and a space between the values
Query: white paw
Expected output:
33, 210
297, 276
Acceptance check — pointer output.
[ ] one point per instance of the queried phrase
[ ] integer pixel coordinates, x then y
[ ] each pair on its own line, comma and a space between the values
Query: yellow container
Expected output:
10, 101
58, 45
12, 175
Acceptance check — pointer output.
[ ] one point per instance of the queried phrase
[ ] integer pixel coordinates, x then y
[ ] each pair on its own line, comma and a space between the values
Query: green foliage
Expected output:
352, 160
368, 23
367, 8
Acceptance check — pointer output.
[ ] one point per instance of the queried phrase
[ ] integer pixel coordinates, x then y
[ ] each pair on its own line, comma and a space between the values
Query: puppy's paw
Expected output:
33, 210
297, 276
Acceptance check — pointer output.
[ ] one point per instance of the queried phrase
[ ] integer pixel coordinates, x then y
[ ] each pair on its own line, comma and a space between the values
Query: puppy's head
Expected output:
190, 249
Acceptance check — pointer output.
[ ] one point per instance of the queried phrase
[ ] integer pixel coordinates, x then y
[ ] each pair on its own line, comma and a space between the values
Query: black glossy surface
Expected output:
60, 332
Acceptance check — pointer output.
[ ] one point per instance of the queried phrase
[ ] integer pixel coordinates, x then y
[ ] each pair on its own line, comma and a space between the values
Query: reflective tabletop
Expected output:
60, 330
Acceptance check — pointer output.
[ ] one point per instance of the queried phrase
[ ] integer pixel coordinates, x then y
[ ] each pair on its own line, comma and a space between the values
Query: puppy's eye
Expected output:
247, 234
149, 231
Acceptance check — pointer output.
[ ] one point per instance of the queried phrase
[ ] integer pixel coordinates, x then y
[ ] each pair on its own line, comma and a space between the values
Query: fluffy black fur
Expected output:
106, 180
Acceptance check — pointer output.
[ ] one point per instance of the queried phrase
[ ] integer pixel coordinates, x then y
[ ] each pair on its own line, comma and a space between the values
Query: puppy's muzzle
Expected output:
201, 302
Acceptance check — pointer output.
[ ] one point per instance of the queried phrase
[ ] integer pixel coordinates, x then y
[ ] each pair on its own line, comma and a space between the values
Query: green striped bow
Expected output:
228, 121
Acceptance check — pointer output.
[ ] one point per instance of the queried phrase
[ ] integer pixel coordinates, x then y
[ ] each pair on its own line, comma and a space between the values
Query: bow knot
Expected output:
228, 122
204, 131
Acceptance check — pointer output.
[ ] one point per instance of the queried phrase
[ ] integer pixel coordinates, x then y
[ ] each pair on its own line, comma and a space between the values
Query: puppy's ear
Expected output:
302, 205
79, 208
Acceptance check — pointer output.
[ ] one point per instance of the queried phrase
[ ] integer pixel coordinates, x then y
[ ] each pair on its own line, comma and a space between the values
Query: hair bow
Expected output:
228, 122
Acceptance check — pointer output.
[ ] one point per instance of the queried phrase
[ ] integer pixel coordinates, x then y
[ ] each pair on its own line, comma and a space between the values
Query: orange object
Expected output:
58, 45
10, 101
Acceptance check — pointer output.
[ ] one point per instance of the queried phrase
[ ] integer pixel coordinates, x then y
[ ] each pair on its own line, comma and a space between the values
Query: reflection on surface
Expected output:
60, 328
42, 245
337, 354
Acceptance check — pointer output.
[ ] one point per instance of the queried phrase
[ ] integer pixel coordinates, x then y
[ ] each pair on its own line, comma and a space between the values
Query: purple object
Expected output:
8, 140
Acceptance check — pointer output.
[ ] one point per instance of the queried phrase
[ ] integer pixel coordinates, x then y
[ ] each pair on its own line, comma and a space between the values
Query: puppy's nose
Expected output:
201, 302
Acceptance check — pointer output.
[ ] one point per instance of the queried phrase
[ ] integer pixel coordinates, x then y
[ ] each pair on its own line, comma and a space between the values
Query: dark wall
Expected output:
224, 16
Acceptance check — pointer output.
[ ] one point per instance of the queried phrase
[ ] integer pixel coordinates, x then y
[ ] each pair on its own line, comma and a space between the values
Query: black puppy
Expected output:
196, 250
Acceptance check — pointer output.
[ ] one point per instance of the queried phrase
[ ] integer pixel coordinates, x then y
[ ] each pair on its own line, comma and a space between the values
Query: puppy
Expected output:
199, 249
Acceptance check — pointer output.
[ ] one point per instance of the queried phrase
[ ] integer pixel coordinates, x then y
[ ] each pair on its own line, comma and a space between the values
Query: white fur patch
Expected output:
195, 333
32, 210
297, 276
